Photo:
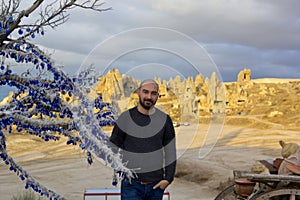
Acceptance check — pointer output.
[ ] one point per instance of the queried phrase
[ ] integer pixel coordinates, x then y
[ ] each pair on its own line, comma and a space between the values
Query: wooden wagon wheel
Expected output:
227, 194
290, 194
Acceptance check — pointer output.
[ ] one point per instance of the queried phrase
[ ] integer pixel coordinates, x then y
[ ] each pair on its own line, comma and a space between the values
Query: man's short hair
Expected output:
149, 81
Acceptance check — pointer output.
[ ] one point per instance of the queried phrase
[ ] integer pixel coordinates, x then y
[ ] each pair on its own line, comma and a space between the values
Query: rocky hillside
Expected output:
246, 101
274, 100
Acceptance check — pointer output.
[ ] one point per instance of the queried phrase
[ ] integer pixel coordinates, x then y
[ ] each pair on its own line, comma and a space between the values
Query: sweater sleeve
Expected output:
170, 151
116, 139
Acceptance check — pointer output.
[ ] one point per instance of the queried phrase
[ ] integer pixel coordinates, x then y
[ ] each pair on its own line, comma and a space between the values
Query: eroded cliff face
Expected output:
274, 100
189, 99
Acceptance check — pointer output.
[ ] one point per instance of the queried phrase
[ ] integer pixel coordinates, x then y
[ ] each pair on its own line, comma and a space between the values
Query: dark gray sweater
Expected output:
147, 143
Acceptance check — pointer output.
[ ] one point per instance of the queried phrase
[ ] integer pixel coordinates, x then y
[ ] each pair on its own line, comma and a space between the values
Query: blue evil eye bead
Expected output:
35, 52
70, 142
90, 160
17, 46
88, 119
101, 155
82, 146
9, 72
115, 183
11, 119
28, 48
10, 20
109, 159
94, 131
20, 31
42, 65
32, 35
22, 177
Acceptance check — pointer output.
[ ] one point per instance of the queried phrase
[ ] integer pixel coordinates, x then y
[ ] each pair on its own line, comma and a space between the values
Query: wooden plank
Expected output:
265, 177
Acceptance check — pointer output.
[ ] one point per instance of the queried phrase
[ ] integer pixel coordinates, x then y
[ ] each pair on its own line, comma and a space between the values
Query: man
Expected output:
146, 138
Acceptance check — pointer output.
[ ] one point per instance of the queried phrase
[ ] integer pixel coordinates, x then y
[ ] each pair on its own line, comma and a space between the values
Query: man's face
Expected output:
148, 95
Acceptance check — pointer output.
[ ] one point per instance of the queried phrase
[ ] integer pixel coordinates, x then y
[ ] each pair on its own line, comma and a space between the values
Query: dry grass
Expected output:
28, 195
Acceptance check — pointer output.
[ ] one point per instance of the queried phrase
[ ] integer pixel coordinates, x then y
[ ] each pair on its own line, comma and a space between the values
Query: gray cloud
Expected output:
261, 35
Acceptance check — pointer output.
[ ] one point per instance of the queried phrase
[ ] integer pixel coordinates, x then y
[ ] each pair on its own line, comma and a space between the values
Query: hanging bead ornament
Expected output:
20, 31
10, 20
43, 112
115, 178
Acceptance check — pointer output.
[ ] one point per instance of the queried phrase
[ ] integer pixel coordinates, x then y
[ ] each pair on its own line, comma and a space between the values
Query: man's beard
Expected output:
145, 106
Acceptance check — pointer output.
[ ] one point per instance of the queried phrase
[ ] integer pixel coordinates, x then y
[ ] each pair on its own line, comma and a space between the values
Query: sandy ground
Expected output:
204, 161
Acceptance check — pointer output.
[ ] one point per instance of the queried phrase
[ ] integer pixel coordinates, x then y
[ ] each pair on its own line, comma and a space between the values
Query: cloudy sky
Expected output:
172, 37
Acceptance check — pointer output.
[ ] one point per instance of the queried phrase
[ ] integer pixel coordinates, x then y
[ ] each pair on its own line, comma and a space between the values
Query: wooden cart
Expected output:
262, 186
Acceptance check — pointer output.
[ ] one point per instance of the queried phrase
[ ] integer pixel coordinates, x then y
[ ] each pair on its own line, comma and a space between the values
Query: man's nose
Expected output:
149, 95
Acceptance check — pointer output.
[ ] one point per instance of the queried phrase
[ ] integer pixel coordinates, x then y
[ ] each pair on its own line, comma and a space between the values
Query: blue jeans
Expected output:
136, 191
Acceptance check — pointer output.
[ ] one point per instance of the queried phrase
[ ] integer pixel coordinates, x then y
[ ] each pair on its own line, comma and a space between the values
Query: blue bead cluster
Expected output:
5, 27
39, 106
23, 175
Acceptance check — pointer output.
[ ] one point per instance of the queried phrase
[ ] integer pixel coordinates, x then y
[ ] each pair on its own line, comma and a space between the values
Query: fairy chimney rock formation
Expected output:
186, 99
244, 75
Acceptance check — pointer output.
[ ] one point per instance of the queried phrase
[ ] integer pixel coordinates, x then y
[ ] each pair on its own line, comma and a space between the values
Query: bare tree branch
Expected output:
54, 14
40, 106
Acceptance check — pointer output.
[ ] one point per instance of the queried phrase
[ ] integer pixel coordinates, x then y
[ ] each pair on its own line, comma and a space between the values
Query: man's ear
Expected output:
138, 90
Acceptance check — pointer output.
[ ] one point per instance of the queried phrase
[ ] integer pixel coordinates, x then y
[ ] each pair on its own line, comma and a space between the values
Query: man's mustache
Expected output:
150, 100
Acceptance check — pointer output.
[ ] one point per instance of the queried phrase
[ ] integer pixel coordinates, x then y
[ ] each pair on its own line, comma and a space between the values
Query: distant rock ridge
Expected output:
186, 100
276, 100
